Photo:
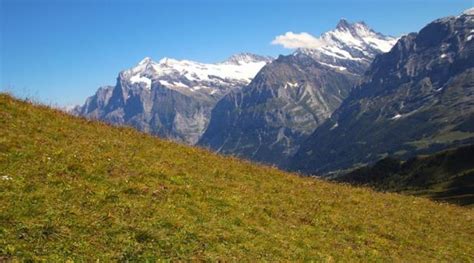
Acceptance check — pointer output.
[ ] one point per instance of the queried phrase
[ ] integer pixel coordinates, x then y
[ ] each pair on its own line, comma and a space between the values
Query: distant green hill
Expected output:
446, 176
86, 191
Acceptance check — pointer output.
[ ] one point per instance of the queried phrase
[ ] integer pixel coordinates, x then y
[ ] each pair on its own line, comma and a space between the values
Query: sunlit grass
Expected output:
72, 188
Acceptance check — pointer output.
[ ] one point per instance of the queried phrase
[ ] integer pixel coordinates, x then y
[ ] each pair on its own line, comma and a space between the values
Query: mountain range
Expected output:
268, 119
356, 97
416, 99
170, 98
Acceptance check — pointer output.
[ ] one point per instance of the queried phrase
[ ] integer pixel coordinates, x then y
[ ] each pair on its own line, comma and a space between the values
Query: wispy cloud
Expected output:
298, 40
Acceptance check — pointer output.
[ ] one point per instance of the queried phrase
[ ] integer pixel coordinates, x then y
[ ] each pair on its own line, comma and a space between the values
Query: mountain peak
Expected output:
166, 61
357, 27
346, 42
343, 23
145, 61
196, 77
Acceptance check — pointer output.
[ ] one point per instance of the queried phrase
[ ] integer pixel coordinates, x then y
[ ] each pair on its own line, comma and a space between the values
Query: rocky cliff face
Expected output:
417, 98
289, 98
171, 98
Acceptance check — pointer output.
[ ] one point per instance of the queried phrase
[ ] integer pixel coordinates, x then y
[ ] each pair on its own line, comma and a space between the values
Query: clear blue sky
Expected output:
60, 52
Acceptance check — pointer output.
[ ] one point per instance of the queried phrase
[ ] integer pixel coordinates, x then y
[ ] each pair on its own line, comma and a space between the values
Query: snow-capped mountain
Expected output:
171, 98
174, 98
350, 46
191, 76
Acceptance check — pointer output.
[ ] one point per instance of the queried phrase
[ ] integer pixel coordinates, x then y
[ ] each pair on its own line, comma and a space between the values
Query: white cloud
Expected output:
298, 40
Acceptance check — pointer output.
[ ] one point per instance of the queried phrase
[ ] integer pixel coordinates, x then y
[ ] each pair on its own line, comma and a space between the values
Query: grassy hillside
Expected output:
446, 176
81, 190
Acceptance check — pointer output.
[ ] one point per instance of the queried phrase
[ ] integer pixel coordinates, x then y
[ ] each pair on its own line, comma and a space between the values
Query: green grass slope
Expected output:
81, 190
446, 176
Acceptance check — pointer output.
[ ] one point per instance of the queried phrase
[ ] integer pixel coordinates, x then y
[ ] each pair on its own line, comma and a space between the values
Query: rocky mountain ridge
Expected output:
290, 97
416, 99
171, 98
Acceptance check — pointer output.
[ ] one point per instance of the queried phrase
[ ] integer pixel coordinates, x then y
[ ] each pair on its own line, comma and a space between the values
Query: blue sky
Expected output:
60, 52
